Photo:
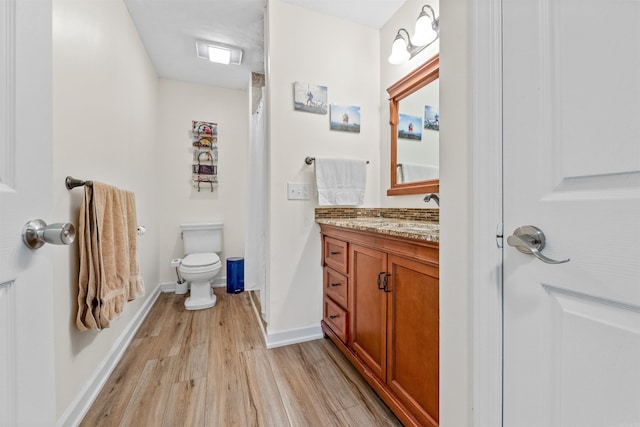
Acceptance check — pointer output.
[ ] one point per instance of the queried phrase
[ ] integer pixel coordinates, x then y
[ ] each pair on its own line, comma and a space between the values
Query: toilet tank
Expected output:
200, 237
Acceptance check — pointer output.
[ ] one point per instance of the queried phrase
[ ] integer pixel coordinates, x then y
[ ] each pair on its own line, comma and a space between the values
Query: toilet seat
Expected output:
200, 263
200, 260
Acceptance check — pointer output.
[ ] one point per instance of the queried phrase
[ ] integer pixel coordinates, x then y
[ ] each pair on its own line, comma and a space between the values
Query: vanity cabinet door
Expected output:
413, 341
369, 317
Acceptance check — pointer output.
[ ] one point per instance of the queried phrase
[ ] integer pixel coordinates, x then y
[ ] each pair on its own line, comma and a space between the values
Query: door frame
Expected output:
487, 213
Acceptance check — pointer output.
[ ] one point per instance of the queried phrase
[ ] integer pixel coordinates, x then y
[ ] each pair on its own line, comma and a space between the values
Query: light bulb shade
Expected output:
424, 32
399, 52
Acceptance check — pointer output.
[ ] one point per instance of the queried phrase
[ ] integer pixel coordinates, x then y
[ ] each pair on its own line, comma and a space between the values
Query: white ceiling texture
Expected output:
169, 30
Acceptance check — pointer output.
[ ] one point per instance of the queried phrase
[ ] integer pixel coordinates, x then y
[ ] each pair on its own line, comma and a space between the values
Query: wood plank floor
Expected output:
211, 368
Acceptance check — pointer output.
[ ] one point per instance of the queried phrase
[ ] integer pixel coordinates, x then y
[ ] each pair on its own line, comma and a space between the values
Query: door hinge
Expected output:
499, 235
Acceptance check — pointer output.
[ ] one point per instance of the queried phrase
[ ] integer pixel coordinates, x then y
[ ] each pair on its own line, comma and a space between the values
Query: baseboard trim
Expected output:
293, 336
167, 287
81, 404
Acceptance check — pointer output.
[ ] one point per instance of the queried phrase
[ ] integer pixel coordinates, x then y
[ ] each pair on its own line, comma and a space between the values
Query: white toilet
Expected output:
202, 241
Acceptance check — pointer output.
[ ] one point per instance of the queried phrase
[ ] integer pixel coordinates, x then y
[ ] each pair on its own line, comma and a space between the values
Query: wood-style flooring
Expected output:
211, 368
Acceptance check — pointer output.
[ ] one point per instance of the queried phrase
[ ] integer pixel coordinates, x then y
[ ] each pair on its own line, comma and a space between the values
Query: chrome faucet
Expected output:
433, 196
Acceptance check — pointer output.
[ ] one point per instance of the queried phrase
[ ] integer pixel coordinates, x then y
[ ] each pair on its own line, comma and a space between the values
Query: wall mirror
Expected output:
414, 118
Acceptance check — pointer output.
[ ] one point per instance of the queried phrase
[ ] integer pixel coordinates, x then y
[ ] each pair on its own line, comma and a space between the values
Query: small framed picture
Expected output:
409, 127
345, 118
431, 118
310, 98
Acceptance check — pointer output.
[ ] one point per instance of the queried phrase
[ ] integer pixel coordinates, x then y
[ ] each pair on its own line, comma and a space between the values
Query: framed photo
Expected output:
431, 118
310, 98
409, 127
345, 118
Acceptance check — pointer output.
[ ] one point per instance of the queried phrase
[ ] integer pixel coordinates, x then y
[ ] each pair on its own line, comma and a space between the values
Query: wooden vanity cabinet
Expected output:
369, 311
393, 323
413, 348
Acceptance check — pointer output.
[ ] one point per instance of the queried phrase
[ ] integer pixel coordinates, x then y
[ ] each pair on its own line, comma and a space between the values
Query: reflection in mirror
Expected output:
415, 122
418, 135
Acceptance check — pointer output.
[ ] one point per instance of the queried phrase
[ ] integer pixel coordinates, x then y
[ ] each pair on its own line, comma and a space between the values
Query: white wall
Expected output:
405, 17
105, 94
306, 46
178, 201
456, 214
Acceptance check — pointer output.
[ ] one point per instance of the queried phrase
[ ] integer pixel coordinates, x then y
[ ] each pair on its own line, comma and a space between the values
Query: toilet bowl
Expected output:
202, 242
199, 269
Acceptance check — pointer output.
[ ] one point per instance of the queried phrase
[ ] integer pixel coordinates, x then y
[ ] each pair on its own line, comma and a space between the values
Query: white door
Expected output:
27, 392
572, 168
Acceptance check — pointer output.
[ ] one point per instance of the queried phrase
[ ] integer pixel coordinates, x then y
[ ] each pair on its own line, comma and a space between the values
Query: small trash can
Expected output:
235, 275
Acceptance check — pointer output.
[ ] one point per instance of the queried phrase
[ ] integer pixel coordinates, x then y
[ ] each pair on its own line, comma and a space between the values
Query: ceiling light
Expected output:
221, 55
426, 32
218, 52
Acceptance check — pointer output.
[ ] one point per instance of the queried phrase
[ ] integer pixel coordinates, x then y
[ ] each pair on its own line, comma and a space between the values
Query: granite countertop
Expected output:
419, 230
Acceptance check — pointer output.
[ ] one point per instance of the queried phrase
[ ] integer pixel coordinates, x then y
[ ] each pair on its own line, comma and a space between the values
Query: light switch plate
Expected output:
297, 191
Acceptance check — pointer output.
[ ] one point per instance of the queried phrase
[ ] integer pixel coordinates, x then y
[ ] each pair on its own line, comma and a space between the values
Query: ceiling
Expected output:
169, 29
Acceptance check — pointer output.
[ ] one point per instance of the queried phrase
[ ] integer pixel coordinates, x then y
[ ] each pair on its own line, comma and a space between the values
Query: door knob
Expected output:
36, 233
531, 240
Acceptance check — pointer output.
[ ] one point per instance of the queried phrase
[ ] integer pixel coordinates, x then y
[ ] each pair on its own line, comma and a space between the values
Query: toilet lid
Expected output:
200, 260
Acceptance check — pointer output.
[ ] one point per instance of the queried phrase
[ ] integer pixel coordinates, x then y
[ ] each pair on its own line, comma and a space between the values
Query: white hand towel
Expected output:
414, 172
341, 181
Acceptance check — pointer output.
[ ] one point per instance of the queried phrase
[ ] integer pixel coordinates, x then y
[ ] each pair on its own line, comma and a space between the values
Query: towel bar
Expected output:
72, 183
308, 160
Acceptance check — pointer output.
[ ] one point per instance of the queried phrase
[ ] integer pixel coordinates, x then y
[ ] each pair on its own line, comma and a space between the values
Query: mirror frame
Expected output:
418, 78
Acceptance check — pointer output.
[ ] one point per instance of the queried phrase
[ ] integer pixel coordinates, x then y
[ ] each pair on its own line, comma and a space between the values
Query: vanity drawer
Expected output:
336, 286
335, 254
336, 317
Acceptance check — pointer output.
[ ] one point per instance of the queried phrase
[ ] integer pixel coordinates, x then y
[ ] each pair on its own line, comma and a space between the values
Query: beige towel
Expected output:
136, 284
109, 274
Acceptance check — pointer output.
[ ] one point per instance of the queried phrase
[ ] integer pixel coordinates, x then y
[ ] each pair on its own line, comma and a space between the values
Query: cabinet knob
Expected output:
335, 284
333, 316
334, 252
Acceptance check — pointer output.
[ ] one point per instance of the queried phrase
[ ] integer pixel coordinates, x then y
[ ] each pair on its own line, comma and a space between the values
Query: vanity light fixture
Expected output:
426, 32
218, 52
